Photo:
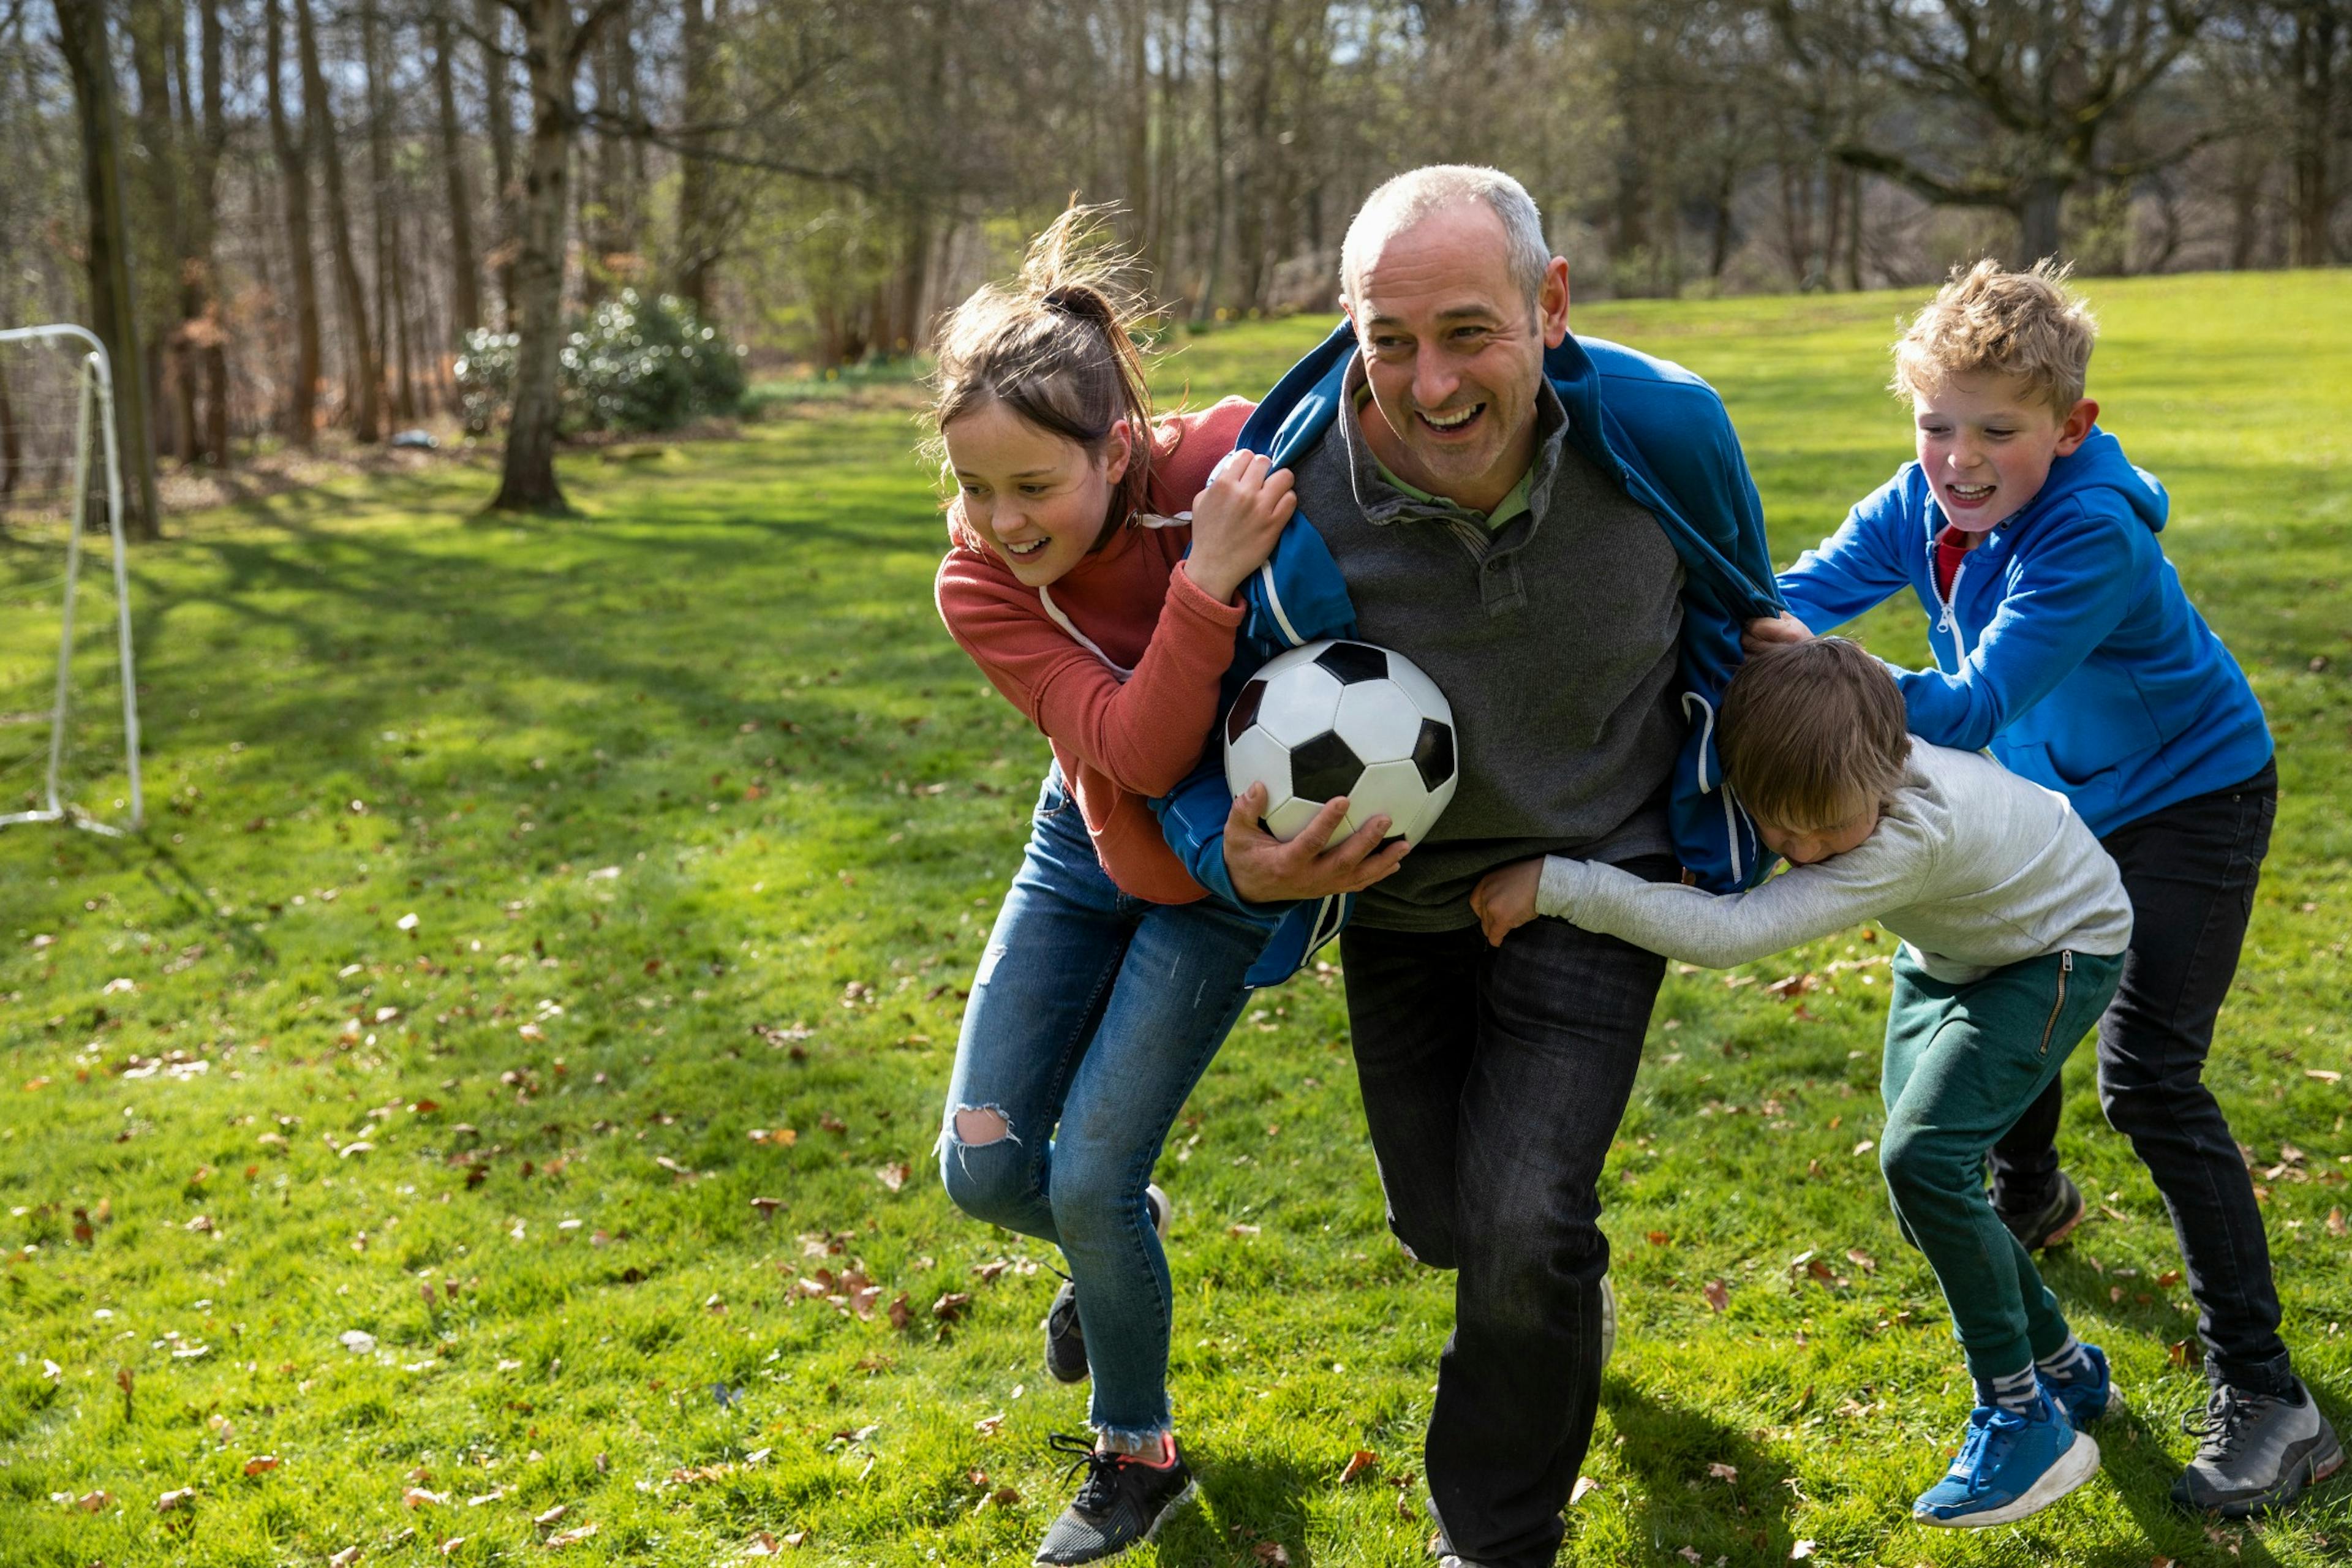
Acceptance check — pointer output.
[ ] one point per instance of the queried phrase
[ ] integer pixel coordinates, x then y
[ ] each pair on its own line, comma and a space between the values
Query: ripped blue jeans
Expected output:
1091, 1017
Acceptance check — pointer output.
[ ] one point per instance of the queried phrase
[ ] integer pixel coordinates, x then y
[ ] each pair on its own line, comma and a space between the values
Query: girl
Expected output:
1110, 977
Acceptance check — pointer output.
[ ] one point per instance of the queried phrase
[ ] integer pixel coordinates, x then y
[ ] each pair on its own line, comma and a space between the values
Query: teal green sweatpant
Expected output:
1963, 1063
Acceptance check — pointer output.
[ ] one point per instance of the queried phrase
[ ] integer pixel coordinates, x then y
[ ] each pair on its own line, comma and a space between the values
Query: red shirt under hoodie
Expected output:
1120, 743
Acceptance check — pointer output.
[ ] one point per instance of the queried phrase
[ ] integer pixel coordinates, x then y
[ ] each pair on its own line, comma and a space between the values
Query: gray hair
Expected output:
1403, 201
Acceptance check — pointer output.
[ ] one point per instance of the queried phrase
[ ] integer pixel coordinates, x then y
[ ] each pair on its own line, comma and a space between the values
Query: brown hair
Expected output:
2027, 324
1814, 733
1057, 348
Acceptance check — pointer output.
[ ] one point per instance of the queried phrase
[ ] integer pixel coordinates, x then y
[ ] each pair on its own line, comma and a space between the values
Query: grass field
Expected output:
543, 960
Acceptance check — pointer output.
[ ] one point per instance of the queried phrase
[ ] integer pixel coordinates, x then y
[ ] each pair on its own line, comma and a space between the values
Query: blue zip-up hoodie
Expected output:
1662, 433
2067, 646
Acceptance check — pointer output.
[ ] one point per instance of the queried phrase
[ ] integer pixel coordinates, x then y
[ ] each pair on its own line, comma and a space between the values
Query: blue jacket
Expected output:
1664, 435
2068, 648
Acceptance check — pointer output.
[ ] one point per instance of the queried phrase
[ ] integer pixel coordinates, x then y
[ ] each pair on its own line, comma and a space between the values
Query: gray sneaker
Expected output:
1066, 1338
2255, 1452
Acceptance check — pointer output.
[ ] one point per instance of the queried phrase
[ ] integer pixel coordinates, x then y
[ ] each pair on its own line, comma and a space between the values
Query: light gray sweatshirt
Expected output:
1973, 866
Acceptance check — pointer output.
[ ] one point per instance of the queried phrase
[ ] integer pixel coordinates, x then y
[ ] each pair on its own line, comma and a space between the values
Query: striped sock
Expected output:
2013, 1391
2066, 1363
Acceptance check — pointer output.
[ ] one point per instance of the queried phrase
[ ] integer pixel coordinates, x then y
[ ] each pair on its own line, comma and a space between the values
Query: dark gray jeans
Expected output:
1494, 1079
2190, 869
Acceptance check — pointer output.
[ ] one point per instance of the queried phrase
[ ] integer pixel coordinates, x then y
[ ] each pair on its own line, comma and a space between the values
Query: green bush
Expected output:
635, 363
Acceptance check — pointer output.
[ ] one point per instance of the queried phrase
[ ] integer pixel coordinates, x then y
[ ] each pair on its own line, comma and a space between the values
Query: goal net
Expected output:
69, 702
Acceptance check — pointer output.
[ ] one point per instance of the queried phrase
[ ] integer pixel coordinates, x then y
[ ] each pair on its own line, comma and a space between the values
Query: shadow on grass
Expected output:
1684, 1500
1247, 1498
2132, 1455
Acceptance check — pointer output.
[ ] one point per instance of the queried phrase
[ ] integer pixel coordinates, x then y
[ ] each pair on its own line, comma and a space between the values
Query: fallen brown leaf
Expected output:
893, 1175
417, 1497
1361, 1462
565, 1538
1270, 1552
1717, 1294
90, 1502
553, 1516
174, 1501
950, 1307
260, 1463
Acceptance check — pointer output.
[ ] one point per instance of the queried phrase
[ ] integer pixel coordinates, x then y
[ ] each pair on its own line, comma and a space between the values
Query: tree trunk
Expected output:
114, 313
293, 163
528, 481
465, 273
2312, 62
700, 69
2037, 218
171, 383
1219, 187
360, 372
498, 109
392, 335
215, 140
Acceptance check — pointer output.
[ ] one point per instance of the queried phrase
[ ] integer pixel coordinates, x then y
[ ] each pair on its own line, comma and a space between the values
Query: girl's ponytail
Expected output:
1058, 349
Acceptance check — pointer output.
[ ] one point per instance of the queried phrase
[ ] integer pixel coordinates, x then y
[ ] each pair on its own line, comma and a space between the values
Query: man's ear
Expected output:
1118, 451
1551, 302
2075, 428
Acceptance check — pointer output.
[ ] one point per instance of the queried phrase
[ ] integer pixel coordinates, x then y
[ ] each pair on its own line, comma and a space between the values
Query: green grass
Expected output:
702, 772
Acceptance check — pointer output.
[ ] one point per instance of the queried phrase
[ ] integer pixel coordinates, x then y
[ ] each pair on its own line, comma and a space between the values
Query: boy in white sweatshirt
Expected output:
2014, 923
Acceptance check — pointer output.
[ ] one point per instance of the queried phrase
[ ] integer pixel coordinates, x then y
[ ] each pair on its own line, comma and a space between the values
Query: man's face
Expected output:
1986, 444
1454, 353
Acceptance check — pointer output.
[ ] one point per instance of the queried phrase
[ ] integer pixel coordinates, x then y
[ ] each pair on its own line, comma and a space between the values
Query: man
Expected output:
1563, 535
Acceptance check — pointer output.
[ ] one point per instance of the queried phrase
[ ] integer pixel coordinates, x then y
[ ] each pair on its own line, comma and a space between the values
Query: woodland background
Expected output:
287, 213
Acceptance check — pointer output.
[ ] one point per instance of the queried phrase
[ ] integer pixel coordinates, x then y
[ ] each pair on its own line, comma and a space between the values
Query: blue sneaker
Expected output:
2009, 1466
2085, 1397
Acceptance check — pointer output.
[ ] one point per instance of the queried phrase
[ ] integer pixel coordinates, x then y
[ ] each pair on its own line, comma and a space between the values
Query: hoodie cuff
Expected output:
1559, 890
1191, 597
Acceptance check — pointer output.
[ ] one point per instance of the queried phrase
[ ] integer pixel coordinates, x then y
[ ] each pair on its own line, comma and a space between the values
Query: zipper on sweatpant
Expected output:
2065, 967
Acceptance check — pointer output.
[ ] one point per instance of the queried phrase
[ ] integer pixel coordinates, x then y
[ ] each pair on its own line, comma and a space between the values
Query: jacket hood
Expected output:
2099, 464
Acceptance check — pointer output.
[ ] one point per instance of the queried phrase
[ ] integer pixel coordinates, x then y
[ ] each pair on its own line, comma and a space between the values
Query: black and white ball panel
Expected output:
1340, 718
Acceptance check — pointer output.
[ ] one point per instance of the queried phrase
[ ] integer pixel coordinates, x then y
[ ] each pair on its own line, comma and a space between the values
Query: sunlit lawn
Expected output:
700, 818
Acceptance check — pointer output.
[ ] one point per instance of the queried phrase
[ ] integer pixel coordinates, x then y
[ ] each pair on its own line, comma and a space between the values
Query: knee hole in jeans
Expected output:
976, 1127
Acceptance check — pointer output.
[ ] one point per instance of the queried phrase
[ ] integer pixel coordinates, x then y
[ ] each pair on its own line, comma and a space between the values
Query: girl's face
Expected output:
1041, 500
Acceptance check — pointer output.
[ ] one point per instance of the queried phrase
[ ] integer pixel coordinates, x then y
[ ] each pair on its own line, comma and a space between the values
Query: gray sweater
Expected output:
1554, 638
1971, 866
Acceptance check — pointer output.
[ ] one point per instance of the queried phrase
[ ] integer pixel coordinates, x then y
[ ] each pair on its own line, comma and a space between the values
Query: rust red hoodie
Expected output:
1117, 663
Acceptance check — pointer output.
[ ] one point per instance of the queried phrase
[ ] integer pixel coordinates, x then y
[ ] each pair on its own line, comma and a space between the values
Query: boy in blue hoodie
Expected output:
2064, 645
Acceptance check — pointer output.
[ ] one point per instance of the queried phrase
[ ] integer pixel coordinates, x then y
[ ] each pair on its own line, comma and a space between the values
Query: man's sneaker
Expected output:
2255, 1452
1123, 1501
1065, 1339
2085, 1397
2050, 1222
2009, 1466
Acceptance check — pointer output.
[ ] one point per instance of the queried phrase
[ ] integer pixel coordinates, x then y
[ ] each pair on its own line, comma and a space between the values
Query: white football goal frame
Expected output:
94, 399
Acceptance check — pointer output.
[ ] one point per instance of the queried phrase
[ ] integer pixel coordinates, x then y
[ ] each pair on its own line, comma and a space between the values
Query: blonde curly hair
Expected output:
1989, 318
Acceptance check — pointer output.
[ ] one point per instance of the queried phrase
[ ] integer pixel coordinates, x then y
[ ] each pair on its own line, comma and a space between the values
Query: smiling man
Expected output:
1560, 531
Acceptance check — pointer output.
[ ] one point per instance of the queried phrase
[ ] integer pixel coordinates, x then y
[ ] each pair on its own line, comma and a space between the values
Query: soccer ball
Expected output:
1337, 718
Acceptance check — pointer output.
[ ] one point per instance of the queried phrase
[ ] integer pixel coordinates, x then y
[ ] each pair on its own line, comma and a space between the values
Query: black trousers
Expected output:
2191, 871
1494, 1079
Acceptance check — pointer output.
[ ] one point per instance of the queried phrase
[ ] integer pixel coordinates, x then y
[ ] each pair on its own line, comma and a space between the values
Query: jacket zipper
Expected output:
2065, 968
1945, 598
